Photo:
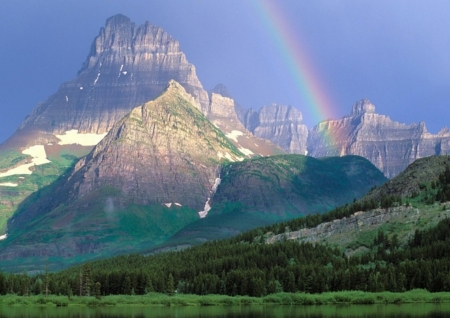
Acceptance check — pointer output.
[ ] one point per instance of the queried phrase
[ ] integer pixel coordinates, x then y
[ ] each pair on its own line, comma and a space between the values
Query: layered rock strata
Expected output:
126, 66
222, 112
163, 151
280, 124
389, 145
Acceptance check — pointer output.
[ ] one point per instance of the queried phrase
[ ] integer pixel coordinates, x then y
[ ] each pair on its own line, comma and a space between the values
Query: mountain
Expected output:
389, 145
223, 112
161, 168
155, 172
400, 207
280, 124
127, 65
262, 191
413, 180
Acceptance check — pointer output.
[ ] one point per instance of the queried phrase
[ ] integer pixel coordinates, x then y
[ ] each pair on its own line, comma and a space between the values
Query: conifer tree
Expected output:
170, 286
86, 279
97, 290
46, 280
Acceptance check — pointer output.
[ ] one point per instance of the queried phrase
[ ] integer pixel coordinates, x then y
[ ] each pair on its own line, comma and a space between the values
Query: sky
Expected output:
319, 56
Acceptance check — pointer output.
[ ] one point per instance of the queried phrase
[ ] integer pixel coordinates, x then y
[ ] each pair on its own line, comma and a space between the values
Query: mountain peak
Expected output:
118, 19
221, 90
363, 106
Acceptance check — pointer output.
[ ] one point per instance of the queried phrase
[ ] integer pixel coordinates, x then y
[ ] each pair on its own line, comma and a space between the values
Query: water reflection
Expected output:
404, 310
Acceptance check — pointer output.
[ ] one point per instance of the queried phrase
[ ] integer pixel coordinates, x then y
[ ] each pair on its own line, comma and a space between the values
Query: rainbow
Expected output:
311, 88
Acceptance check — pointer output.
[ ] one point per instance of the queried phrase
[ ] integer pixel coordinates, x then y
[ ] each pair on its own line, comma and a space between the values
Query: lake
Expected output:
253, 311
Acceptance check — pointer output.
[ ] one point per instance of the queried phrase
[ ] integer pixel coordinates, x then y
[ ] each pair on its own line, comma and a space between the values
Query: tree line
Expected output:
256, 269
244, 265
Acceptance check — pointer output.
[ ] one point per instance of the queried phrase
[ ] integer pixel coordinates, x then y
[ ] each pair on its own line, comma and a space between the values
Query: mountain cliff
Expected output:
126, 66
223, 112
280, 124
389, 145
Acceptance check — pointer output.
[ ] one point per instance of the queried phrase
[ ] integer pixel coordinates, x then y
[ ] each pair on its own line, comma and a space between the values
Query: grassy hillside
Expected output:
253, 193
417, 199
263, 191
62, 158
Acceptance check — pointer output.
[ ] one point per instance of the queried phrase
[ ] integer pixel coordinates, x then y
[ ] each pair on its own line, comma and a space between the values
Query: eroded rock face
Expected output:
223, 112
357, 221
163, 151
126, 66
389, 145
280, 124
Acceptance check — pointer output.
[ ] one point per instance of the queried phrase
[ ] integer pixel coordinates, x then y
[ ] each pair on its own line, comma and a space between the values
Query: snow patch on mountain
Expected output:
246, 151
234, 134
8, 184
73, 137
207, 207
39, 158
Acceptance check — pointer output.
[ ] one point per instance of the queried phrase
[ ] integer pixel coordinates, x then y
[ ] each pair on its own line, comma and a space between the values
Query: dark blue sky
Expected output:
395, 53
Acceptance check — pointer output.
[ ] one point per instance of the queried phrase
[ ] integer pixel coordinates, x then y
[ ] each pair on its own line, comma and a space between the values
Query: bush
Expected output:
364, 300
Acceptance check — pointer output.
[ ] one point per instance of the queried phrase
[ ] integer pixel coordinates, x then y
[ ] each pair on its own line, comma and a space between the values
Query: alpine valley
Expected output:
133, 155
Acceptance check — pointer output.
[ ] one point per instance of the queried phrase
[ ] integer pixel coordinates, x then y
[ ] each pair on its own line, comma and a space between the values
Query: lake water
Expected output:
403, 310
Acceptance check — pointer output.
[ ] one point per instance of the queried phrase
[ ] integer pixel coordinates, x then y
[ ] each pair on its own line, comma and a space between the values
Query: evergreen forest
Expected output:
246, 265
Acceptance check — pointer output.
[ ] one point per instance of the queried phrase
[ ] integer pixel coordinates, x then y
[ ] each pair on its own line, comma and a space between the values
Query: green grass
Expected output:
11, 158
155, 299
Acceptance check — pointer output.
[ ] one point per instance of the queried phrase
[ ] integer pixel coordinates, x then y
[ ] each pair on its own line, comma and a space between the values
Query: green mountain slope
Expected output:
15, 188
148, 178
262, 191
416, 199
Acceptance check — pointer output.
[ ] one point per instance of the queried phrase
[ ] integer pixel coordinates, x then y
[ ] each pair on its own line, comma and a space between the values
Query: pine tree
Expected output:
97, 290
80, 282
170, 286
46, 280
86, 279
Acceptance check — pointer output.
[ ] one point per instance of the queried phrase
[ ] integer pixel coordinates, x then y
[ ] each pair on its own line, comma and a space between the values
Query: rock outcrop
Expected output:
356, 222
223, 112
280, 124
126, 66
389, 145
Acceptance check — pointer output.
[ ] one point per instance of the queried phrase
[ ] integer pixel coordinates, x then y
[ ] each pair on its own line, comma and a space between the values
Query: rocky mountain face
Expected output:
163, 153
389, 145
223, 112
127, 65
280, 124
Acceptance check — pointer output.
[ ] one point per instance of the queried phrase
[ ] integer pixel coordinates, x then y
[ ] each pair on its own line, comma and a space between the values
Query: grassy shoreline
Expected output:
154, 299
